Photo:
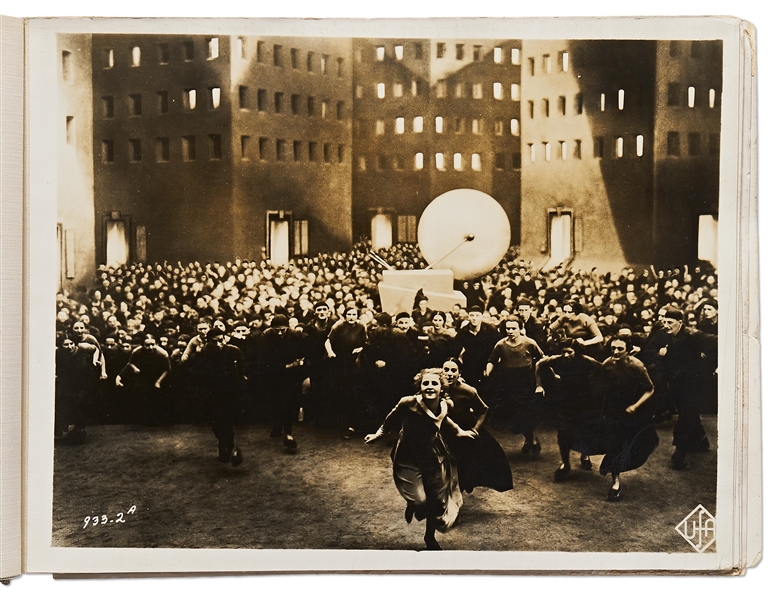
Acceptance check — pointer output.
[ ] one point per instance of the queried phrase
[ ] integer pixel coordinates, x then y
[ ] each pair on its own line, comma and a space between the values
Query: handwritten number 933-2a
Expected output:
101, 520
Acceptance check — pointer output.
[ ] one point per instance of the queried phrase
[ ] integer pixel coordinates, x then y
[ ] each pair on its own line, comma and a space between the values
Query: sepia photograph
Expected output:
373, 289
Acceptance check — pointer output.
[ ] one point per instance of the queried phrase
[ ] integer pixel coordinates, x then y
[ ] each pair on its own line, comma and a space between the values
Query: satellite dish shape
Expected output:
466, 231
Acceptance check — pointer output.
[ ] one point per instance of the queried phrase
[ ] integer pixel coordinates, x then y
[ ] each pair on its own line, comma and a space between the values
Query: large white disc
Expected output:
456, 216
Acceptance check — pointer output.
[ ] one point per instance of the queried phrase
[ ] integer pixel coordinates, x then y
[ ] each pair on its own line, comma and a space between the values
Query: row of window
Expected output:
381, 52
498, 91
442, 161
676, 96
189, 101
278, 149
442, 125
187, 52
694, 144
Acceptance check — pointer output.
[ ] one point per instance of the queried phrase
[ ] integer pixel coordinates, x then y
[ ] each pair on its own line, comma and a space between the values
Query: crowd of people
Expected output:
599, 356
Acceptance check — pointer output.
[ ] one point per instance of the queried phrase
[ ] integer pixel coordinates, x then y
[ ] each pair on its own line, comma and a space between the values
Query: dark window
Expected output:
278, 101
243, 96
674, 94
66, 65
546, 107
107, 150
516, 160
382, 162
341, 153
459, 51
296, 100
162, 102
327, 152
694, 144
696, 49
399, 163
245, 143
312, 151
162, 149
135, 104
69, 129
189, 148
418, 50
340, 110
714, 144
501, 160
477, 53
674, 144
562, 105
277, 55
188, 50
294, 58
297, 151
310, 106
579, 103
324, 64
107, 107
578, 149
674, 49
135, 150
530, 109
340, 67
261, 97
280, 149
532, 66
259, 51
310, 62
441, 49
263, 148
215, 147
598, 147
164, 53
107, 58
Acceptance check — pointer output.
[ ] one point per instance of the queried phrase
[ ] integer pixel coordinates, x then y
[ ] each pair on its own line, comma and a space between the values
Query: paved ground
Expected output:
339, 494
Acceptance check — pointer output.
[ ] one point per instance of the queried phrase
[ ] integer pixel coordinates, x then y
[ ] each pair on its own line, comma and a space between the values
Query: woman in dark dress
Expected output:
480, 460
423, 469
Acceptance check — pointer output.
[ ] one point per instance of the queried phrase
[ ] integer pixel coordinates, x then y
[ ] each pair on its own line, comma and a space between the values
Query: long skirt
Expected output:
433, 492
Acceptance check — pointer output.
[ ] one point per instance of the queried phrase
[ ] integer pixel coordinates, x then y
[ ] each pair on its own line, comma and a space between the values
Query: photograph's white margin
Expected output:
42, 69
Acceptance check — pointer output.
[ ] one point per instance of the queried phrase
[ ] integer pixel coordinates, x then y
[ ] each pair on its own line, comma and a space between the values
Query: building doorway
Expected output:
560, 232
279, 236
116, 233
382, 231
708, 236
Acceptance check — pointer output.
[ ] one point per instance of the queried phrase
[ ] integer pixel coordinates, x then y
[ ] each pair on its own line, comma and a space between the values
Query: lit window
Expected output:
498, 127
189, 99
419, 161
324, 64
441, 89
563, 150
398, 51
564, 61
476, 126
514, 127
547, 150
440, 161
439, 123
603, 102
477, 91
476, 162
414, 87
546, 64
497, 55
325, 108
212, 48
136, 56
459, 90
400, 125
639, 145
301, 237
712, 98
620, 147
361, 163
241, 47
515, 91
380, 53
532, 152
691, 97
359, 91
515, 55
107, 57
417, 124
398, 90
457, 161
621, 99
381, 90
379, 127
498, 91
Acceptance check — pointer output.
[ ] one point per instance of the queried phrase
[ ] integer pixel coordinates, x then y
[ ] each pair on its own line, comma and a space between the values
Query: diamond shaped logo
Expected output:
698, 529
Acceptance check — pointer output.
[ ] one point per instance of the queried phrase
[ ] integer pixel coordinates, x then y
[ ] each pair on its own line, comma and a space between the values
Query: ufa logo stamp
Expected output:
698, 528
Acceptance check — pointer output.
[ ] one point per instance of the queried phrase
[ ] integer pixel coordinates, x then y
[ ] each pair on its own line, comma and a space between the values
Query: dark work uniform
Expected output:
344, 337
149, 405
478, 347
282, 381
76, 380
221, 376
321, 377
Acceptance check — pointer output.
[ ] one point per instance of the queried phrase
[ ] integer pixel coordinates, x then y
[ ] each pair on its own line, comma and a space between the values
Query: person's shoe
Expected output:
527, 448
563, 472
409, 512
677, 460
585, 463
536, 448
276, 432
235, 457
289, 442
431, 543
614, 494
